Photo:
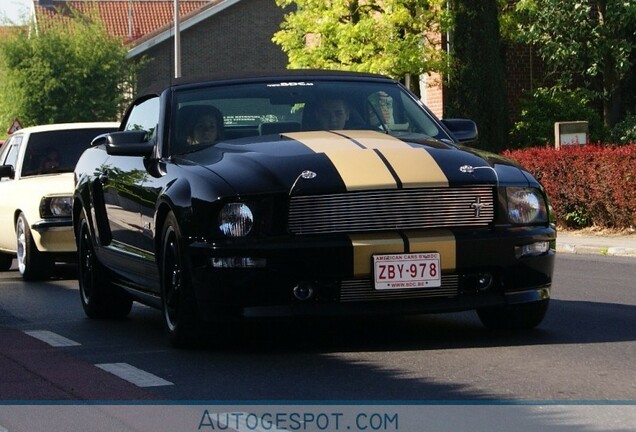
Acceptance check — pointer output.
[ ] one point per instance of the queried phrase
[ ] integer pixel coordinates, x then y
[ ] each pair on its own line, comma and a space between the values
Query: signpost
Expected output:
15, 125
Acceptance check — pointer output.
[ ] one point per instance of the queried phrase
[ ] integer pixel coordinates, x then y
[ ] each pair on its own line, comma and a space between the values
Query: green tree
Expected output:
399, 38
475, 87
67, 69
585, 44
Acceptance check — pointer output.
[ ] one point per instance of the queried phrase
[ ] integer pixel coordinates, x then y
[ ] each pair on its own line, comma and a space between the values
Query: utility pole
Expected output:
177, 41
130, 19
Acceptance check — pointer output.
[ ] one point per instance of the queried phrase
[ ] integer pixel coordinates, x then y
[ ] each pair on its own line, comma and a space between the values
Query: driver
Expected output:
332, 114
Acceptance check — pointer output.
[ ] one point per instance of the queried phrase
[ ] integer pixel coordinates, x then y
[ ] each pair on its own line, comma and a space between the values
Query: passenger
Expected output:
204, 127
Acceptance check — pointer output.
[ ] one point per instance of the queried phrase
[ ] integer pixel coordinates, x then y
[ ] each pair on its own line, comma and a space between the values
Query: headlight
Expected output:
236, 220
56, 206
526, 206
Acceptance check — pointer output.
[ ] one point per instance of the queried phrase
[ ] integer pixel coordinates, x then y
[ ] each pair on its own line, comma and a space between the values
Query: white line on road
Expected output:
53, 339
131, 374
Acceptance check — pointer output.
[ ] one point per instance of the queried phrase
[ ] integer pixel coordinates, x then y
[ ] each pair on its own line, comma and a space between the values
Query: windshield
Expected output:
57, 151
216, 113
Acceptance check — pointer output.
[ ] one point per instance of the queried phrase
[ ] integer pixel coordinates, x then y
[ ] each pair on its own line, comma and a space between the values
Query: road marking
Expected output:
131, 374
53, 339
3, 429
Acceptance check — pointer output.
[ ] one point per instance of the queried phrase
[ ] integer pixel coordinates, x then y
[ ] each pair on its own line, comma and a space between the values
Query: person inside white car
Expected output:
50, 162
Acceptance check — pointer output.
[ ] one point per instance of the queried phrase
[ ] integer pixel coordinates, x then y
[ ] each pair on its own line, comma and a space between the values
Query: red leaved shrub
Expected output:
591, 185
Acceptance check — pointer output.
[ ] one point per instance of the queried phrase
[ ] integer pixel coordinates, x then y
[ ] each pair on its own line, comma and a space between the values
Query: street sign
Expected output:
571, 133
15, 125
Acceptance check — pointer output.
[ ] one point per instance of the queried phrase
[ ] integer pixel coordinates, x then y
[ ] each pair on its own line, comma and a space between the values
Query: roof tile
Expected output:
145, 17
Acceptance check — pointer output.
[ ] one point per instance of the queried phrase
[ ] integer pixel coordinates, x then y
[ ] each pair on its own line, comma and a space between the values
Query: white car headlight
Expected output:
56, 206
526, 206
236, 220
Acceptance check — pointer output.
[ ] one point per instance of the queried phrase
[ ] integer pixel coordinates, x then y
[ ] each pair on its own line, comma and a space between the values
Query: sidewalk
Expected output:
582, 242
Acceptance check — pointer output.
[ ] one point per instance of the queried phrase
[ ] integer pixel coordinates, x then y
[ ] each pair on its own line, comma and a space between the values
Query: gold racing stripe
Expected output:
362, 170
365, 245
323, 141
414, 166
374, 140
442, 241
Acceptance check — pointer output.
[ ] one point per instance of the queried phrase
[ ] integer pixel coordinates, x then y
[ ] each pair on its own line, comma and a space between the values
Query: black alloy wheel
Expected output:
180, 314
100, 298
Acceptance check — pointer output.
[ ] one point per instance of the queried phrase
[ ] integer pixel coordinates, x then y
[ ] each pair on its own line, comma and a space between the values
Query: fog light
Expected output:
533, 249
484, 281
476, 282
304, 290
238, 262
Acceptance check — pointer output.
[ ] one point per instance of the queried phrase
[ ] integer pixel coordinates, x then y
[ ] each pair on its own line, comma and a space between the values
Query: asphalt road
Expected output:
583, 351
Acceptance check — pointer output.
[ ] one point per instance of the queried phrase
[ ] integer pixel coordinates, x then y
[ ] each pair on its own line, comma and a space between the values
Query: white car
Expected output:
36, 190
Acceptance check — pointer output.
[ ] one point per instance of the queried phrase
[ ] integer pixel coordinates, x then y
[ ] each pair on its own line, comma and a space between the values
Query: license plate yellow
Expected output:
407, 271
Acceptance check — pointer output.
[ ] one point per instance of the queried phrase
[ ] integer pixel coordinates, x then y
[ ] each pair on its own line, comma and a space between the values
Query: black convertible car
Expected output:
305, 193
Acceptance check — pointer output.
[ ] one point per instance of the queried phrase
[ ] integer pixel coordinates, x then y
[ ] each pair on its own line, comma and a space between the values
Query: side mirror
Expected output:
126, 143
7, 171
464, 130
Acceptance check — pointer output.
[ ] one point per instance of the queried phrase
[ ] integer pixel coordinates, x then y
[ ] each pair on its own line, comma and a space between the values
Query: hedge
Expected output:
590, 185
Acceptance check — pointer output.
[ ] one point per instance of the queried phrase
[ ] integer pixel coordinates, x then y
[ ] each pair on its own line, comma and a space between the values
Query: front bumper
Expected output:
54, 235
46, 225
338, 271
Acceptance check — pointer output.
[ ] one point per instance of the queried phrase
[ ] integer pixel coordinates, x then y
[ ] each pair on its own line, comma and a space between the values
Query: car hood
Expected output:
344, 161
49, 184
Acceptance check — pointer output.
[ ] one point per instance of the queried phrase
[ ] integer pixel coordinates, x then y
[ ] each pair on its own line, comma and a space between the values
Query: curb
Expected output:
596, 250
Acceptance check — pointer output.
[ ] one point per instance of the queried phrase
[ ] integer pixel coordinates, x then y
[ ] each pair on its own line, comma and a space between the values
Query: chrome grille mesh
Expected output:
362, 290
391, 210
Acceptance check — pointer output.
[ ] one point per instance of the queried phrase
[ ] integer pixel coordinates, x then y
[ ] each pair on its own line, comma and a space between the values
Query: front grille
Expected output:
358, 290
392, 210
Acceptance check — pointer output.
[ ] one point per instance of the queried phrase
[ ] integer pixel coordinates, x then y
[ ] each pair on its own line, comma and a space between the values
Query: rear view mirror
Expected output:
127, 143
464, 130
7, 171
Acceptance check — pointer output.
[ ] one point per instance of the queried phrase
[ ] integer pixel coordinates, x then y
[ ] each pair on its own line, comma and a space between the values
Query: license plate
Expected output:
407, 271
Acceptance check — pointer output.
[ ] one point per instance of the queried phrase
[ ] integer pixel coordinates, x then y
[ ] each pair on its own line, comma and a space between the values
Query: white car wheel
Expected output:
32, 264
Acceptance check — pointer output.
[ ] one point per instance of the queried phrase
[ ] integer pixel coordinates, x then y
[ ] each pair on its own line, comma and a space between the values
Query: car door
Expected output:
130, 208
9, 157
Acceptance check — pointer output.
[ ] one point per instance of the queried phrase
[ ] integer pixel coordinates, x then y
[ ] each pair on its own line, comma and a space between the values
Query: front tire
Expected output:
522, 316
180, 314
32, 264
100, 298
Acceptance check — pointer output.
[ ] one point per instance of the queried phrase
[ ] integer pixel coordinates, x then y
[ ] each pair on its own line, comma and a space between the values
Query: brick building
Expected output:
128, 19
234, 35
222, 36
215, 35
524, 71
